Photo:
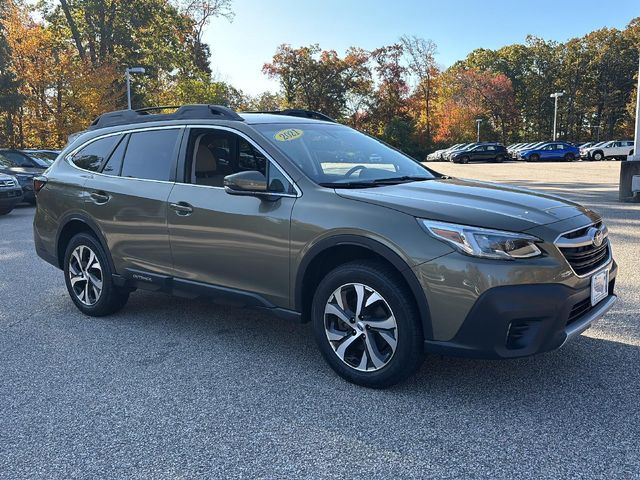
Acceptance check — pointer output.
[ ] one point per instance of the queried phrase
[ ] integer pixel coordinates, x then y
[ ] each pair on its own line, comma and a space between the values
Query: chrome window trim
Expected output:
69, 161
181, 127
606, 264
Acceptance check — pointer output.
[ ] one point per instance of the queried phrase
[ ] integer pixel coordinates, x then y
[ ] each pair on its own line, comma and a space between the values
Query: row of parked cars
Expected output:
534, 151
17, 170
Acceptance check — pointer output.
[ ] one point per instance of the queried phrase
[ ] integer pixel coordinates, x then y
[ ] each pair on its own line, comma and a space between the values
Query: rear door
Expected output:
128, 200
491, 152
557, 152
614, 150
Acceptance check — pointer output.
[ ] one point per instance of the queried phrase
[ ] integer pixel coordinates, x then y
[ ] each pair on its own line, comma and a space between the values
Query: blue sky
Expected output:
240, 48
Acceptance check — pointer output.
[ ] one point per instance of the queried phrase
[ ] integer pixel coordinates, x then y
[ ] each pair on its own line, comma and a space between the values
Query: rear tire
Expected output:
382, 346
89, 278
5, 211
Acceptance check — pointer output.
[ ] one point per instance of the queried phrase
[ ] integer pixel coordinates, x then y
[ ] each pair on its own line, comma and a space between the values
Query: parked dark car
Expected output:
24, 167
550, 151
10, 193
45, 154
484, 152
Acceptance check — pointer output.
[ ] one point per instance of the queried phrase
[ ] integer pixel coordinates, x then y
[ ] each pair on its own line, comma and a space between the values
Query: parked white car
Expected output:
435, 156
616, 149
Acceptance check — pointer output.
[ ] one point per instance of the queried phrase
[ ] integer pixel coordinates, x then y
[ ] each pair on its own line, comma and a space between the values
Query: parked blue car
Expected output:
550, 151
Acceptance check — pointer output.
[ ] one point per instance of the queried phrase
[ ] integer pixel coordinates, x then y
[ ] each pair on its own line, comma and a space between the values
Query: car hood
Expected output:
24, 170
471, 202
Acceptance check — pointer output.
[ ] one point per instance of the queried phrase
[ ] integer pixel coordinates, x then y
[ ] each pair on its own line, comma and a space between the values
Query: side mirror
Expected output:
251, 183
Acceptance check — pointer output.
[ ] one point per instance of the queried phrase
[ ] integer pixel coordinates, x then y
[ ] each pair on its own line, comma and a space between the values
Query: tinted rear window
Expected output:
150, 155
93, 155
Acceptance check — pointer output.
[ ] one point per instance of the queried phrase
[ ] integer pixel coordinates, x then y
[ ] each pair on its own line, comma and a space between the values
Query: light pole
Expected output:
478, 122
128, 72
555, 96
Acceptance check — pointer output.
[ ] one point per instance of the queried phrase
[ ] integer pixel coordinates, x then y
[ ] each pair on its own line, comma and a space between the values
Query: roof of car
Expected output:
204, 113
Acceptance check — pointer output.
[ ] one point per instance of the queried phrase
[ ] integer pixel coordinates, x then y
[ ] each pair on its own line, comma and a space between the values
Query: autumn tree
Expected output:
318, 79
424, 69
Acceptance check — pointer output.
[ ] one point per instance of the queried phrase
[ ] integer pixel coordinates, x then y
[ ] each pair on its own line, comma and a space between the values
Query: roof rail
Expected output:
184, 112
300, 112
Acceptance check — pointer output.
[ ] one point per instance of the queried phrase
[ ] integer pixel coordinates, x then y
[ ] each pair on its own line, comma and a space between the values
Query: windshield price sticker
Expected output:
288, 134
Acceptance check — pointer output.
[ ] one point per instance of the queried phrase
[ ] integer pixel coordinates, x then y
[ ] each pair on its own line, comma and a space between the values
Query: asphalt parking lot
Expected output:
174, 388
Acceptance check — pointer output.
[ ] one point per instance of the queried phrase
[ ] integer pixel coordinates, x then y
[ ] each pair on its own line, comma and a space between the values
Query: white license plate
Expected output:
599, 286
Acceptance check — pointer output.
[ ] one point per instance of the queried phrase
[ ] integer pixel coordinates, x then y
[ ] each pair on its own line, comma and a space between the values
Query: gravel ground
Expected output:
174, 388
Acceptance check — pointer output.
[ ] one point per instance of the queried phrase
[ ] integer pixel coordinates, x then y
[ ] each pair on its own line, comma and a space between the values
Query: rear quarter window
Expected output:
92, 156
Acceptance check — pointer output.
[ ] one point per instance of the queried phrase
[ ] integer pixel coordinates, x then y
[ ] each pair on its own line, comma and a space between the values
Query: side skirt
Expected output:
179, 287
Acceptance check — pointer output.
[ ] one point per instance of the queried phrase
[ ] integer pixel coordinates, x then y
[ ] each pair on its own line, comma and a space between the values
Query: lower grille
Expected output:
9, 194
584, 306
579, 309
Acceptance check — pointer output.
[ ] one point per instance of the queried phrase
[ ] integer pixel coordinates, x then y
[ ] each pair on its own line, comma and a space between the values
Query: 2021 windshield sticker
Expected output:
288, 134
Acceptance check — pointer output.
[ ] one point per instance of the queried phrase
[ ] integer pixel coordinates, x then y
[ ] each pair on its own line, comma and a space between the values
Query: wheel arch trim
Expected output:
378, 248
91, 225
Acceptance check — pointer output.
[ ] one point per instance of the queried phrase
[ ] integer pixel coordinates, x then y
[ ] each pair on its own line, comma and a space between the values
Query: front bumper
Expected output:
10, 197
521, 320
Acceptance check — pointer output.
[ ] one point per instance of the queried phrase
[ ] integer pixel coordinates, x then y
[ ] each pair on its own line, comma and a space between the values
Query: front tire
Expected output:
89, 279
464, 160
597, 156
366, 324
5, 211
534, 157
569, 157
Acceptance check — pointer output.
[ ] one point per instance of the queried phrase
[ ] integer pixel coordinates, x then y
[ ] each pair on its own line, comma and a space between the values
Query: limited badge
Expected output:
288, 134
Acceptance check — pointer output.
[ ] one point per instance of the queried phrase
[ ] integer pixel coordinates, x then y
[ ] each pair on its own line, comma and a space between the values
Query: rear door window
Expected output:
92, 156
151, 155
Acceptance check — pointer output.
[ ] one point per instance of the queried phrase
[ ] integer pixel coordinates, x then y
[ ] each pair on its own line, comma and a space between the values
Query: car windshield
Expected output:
336, 155
5, 162
41, 159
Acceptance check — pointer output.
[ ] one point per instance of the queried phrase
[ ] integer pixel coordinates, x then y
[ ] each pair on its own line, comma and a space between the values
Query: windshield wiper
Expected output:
376, 182
403, 179
354, 184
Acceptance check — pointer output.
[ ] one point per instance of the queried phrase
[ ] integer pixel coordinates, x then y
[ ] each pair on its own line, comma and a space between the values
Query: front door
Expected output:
239, 243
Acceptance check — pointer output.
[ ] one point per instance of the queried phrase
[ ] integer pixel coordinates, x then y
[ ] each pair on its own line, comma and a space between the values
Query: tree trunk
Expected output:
74, 28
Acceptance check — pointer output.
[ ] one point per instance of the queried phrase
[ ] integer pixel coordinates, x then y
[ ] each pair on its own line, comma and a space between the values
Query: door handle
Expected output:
100, 197
182, 208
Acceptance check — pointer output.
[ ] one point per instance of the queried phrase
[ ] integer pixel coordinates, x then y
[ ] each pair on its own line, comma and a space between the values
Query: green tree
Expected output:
319, 80
10, 98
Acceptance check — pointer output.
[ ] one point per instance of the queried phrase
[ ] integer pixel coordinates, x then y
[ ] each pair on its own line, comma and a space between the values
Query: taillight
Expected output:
39, 183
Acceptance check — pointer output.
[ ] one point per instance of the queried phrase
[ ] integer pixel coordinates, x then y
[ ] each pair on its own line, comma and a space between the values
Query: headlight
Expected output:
482, 242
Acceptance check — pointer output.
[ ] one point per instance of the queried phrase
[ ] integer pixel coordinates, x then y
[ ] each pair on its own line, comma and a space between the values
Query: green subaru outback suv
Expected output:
313, 221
